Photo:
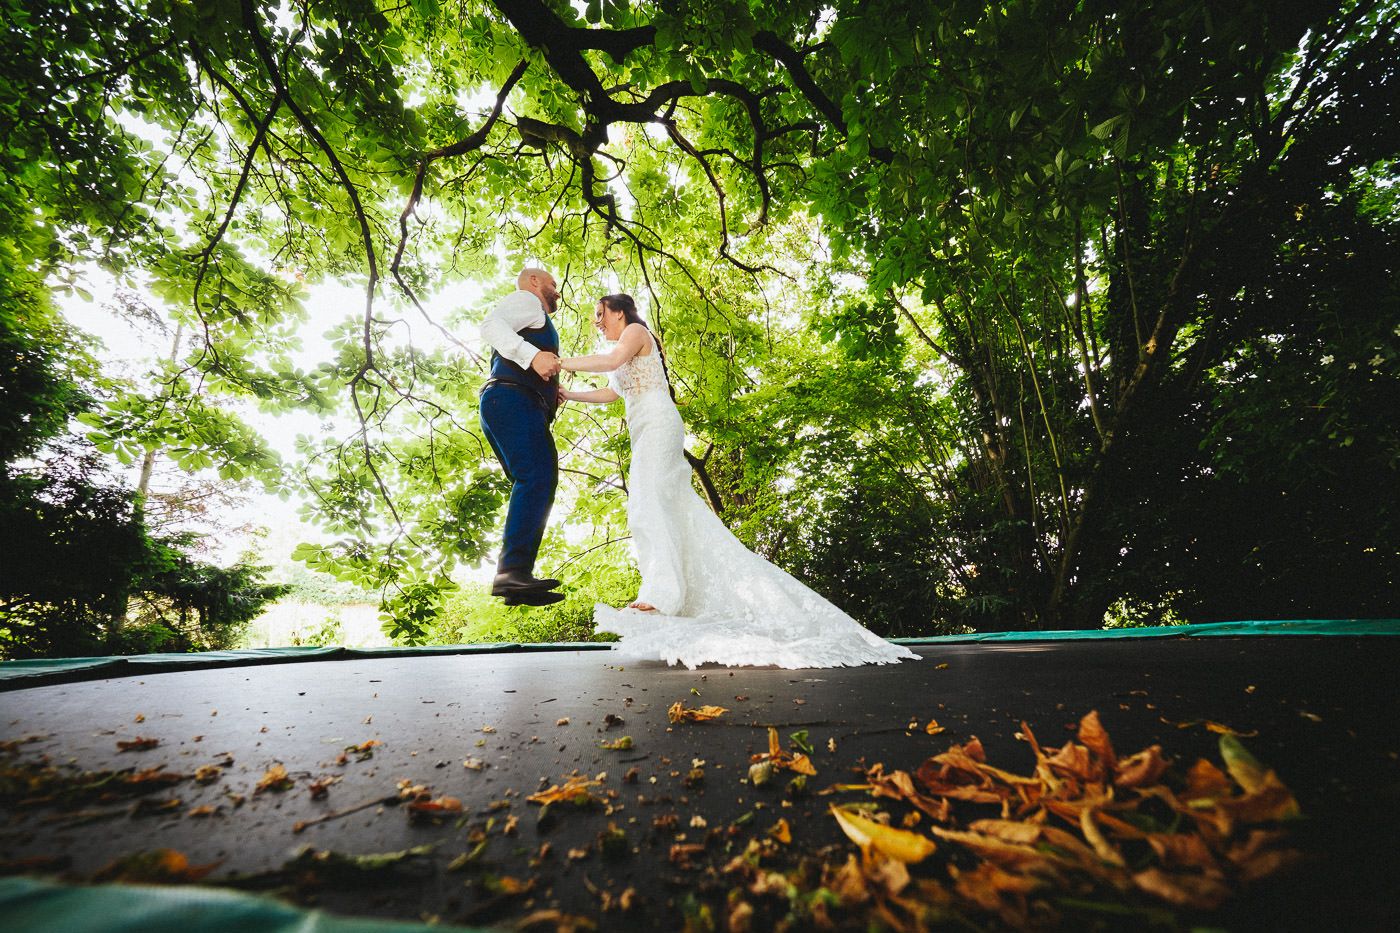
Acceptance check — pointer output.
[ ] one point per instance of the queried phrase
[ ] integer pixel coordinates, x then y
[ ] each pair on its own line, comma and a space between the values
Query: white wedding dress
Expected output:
716, 600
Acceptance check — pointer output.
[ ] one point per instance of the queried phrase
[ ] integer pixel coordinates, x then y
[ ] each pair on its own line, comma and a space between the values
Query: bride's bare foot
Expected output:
641, 606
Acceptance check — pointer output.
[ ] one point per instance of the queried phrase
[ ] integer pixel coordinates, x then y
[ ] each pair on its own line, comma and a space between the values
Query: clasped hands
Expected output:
545, 364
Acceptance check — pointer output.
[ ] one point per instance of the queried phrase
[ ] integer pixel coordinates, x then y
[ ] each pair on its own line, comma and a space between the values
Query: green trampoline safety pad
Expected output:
1339, 627
31, 904
25, 673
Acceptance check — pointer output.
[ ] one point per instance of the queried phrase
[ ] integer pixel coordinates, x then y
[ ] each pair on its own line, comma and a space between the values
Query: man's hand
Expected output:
545, 364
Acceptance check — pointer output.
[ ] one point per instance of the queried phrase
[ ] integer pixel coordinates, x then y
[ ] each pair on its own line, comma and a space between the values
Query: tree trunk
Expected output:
706, 483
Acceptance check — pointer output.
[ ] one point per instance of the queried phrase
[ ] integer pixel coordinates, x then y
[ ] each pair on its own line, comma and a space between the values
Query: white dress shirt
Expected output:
502, 324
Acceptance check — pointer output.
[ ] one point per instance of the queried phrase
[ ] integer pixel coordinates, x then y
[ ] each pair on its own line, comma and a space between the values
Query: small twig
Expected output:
327, 817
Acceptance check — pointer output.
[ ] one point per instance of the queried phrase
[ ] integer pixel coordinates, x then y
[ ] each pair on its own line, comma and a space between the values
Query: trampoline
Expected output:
361, 736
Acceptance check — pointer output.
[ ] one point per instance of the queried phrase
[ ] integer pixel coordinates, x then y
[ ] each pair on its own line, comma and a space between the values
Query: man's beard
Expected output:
552, 303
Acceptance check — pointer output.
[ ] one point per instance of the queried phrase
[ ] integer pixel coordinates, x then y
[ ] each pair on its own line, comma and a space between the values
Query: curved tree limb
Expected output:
250, 22
460, 147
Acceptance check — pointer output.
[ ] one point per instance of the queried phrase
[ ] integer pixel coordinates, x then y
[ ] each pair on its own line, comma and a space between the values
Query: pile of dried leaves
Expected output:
1088, 837
86, 795
1087, 833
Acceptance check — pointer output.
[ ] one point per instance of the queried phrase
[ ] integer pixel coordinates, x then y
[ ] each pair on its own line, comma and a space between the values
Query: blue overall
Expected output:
517, 406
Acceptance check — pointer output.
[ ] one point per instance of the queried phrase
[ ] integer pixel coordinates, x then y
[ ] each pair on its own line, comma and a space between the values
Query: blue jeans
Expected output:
514, 420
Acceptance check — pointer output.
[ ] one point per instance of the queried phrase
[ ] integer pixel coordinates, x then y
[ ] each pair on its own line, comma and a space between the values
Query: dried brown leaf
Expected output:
1205, 781
1095, 837
1139, 770
990, 847
1095, 738
1194, 892
1008, 830
1178, 850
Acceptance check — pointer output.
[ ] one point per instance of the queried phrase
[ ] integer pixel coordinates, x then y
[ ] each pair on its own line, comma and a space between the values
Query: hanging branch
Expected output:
562, 47
254, 28
674, 132
207, 253
460, 147
938, 348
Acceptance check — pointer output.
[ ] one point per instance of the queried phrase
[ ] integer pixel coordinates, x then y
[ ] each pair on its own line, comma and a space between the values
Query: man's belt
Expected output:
497, 381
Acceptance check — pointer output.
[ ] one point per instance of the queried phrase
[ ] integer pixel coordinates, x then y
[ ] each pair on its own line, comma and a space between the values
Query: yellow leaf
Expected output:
782, 832
933, 728
275, 778
679, 713
505, 884
575, 789
1243, 767
898, 844
1221, 729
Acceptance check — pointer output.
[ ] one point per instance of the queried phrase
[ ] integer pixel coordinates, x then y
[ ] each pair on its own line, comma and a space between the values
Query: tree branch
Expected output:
792, 60
460, 147
254, 28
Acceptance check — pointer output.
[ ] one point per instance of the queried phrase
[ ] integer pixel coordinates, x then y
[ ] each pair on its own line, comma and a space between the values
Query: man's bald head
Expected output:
541, 284
531, 272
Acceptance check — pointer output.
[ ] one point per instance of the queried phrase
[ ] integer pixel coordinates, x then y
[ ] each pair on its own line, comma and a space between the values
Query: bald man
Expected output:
518, 403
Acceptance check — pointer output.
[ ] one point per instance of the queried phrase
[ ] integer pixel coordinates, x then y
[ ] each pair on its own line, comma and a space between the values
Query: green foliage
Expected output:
303, 585
471, 615
329, 633
989, 315
81, 573
82, 576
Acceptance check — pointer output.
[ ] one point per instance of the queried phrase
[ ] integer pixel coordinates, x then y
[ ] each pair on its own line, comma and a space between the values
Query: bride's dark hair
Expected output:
631, 315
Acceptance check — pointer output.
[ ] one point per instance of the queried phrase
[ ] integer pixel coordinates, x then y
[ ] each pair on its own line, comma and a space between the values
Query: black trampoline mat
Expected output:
1324, 710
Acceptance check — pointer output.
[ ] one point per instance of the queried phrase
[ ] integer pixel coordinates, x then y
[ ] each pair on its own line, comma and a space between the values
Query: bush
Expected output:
472, 616
328, 633
82, 576
309, 586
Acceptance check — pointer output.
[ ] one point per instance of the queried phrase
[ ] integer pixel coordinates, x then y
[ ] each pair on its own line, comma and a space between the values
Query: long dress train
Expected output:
717, 601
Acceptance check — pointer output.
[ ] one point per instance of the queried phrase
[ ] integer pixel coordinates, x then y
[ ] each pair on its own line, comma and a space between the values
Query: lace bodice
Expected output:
641, 374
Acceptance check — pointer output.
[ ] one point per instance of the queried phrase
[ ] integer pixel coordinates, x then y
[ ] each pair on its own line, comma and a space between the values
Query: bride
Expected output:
704, 596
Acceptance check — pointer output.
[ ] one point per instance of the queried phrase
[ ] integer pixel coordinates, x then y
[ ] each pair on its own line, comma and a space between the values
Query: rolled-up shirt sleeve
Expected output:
499, 330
